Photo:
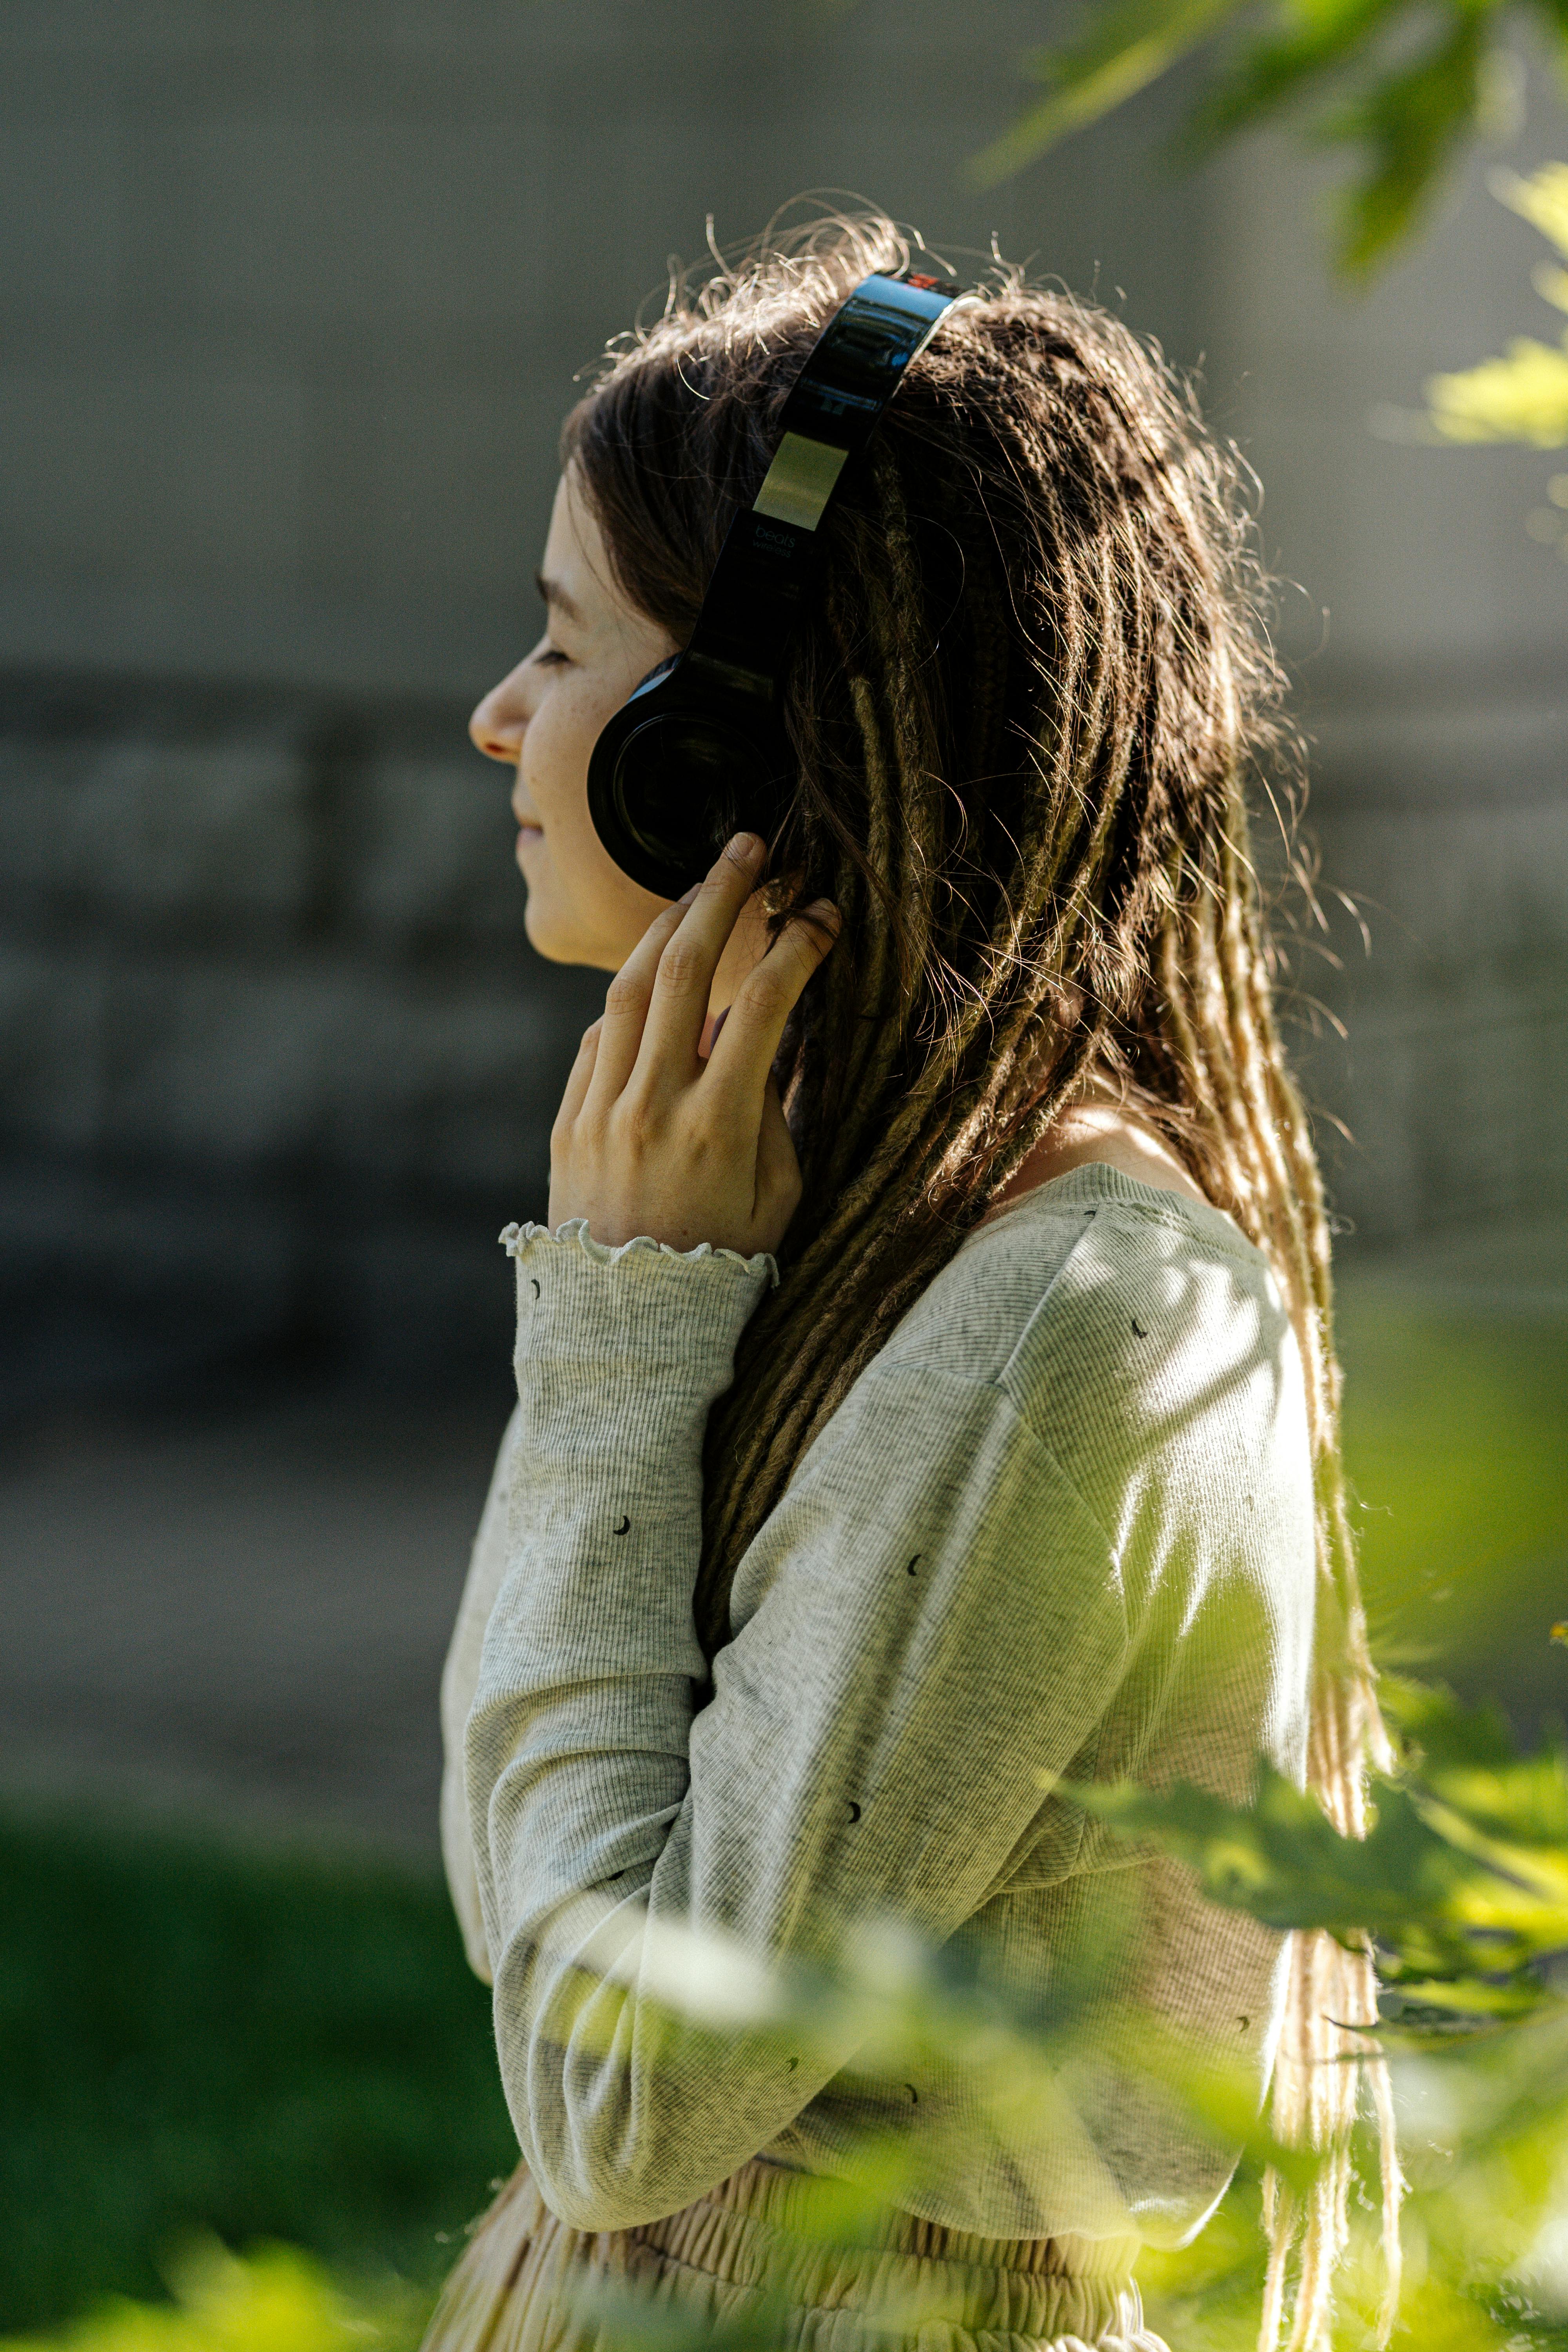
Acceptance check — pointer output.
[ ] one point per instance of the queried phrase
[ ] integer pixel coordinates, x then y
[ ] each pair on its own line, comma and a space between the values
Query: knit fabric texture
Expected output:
1061, 1529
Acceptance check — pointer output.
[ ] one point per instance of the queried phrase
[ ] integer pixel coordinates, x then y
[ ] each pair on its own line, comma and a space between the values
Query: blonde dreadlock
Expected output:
1025, 706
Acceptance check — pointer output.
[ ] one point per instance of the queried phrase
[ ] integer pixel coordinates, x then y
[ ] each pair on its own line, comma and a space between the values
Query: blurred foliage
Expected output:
1463, 1884
1404, 84
269, 2045
1524, 396
265, 2043
1457, 1449
277, 2300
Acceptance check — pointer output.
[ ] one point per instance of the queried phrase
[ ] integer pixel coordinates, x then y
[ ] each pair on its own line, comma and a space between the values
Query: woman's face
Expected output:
543, 719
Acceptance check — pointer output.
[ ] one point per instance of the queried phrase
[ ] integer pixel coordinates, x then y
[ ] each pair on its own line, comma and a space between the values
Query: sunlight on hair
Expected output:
1029, 709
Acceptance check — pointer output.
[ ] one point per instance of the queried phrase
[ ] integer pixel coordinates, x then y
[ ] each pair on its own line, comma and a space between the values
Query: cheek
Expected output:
556, 750
574, 885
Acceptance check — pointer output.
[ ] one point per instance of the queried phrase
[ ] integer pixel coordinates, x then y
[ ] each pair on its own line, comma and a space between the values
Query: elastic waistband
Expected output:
784, 2247
801, 2205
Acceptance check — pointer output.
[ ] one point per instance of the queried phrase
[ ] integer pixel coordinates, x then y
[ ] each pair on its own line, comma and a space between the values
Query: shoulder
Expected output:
1107, 1380
1135, 1333
1154, 1293
968, 1322
1066, 1271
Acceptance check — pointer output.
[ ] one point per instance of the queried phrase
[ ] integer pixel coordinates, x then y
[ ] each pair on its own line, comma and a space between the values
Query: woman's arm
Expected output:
460, 1678
932, 1625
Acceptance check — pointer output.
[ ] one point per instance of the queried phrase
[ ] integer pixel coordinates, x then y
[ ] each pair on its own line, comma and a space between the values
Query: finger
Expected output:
627, 1002
778, 1168
581, 1073
743, 1052
679, 1006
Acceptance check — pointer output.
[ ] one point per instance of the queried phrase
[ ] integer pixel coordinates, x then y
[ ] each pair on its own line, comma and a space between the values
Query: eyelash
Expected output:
551, 654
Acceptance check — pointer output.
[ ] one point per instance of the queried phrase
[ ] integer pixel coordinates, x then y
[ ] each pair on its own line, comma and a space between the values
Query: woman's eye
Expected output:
551, 655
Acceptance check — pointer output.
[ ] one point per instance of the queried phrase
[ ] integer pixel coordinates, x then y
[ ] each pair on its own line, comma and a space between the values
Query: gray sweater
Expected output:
1061, 1528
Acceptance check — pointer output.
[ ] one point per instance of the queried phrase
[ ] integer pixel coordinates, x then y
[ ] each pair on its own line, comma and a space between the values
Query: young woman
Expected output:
926, 1389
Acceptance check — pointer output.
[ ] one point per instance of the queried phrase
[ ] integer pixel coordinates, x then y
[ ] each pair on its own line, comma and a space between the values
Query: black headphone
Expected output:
697, 752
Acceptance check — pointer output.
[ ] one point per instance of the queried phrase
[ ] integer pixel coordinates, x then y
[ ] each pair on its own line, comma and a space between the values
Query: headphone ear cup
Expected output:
675, 774
698, 752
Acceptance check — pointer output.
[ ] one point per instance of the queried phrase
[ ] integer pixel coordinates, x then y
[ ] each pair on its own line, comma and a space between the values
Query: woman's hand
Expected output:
651, 1138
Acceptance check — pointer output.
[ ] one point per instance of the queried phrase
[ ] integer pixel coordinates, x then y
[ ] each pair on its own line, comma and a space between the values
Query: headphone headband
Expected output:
696, 751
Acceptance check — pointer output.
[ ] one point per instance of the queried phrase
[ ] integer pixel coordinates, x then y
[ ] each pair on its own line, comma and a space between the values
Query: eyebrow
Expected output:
553, 593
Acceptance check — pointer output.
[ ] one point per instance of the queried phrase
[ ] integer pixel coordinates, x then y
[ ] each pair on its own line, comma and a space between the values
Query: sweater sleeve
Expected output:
460, 1678
881, 1734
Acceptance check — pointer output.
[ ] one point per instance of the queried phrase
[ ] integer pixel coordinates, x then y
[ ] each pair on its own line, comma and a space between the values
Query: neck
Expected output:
1100, 1127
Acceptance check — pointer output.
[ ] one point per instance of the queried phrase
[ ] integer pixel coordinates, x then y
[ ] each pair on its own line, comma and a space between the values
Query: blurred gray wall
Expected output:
1428, 632
295, 297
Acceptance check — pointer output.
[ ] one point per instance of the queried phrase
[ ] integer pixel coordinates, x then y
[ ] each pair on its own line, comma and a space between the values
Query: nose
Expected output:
500, 722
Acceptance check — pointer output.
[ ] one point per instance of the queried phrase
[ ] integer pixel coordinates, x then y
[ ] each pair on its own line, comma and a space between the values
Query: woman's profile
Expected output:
926, 1386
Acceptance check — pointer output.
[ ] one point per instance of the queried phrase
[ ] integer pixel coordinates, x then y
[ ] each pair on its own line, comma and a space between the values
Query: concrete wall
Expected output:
1449, 824
277, 1062
297, 293
297, 298
1428, 632
294, 300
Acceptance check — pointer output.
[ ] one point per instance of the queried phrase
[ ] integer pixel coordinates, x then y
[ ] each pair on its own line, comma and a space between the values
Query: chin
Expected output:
547, 935
554, 934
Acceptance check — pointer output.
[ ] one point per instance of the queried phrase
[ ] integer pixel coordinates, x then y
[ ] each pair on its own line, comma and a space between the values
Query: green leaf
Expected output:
1469, 1997
1461, 1881
1283, 1861
1523, 397
1129, 46
1272, 73
1543, 199
1408, 119
1413, 122
1438, 1730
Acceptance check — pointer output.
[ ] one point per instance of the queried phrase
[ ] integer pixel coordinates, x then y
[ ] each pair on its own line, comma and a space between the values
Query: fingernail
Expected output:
746, 848
686, 896
823, 910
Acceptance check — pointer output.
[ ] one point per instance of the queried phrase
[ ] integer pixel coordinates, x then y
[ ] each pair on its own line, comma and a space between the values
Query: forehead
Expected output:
575, 559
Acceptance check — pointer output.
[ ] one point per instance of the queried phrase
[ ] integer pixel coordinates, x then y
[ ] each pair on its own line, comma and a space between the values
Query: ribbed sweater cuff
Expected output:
621, 1351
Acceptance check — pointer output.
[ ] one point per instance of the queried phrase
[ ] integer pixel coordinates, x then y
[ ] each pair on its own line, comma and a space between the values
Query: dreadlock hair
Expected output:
1025, 705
